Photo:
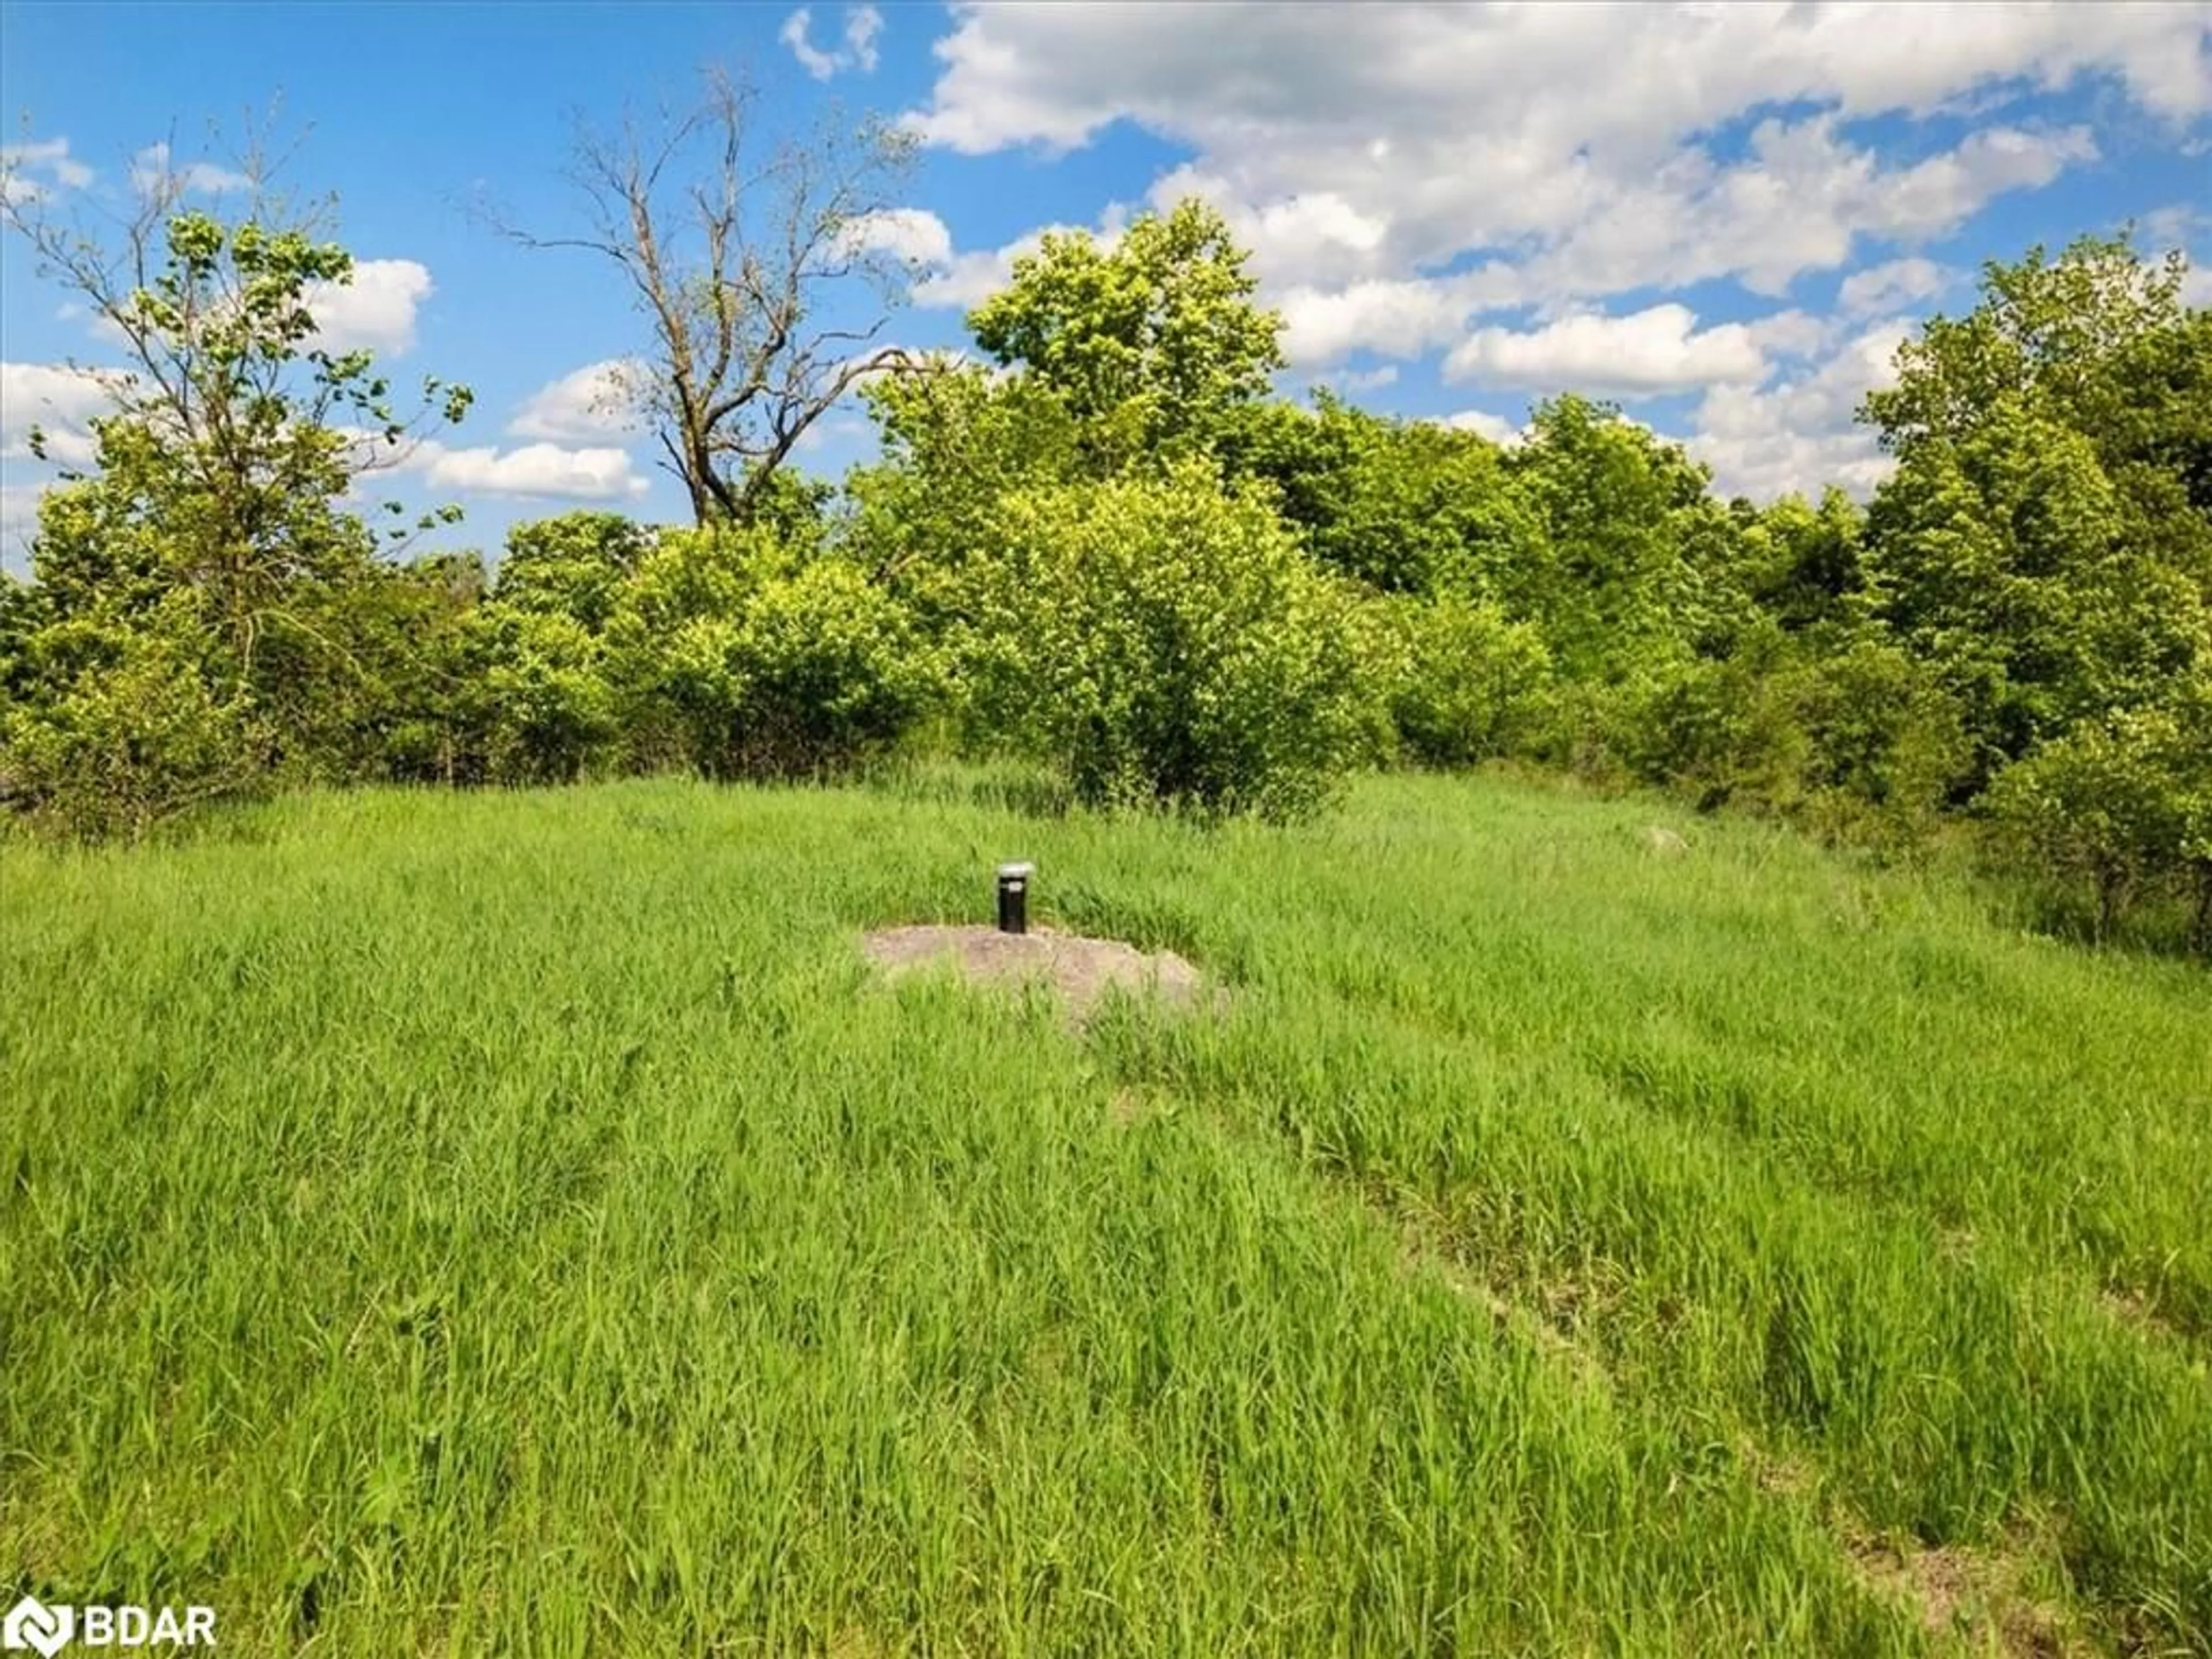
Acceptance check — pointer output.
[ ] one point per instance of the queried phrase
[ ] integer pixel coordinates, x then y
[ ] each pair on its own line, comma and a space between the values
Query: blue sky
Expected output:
1725, 217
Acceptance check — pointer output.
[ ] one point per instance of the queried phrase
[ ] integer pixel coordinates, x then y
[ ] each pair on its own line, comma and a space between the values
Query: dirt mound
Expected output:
1081, 970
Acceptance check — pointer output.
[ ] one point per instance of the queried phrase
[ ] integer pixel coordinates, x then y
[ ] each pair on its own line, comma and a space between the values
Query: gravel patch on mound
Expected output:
1080, 970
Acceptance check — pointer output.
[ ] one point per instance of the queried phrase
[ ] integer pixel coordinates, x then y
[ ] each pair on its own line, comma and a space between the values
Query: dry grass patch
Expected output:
1981, 1598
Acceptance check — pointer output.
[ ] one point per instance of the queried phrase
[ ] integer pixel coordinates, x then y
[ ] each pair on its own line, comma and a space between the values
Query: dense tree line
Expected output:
1102, 542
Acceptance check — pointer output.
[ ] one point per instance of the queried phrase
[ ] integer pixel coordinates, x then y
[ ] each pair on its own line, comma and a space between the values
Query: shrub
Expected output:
1163, 642
1859, 740
1720, 732
131, 732
813, 673
1471, 686
539, 703
1883, 734
2114, 813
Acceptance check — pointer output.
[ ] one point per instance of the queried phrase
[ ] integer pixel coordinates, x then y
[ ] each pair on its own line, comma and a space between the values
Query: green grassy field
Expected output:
465, 1224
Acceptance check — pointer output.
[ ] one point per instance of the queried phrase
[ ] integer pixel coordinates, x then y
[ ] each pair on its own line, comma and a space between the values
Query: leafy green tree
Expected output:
1805, 566
1617, 504
819, 672
1163, 642
956, 441
235, 436
1406, 506
130, 727
1152, 343
216, 498
23, 611
2011, 561
1720, 730
1882, 733
572, 566
2047, 539
796, 505
2096, 340
417, 623
538, 702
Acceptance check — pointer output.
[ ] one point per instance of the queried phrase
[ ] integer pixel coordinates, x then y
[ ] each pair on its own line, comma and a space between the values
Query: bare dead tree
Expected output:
742, 250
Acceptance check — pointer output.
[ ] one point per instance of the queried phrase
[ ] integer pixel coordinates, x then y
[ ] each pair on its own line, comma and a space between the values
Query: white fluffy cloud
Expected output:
1656, 350
60, 400
376, 309
33, 170
1484, 424
914, 235
1885, 287
968, 278
1803, 200
1359, 379
152, 166
1799, 434
57, 399
1353, 146
1052, 74
1520, 188
588, 402
864, 27
541, 470
1321, 235
1400, 318
2177, 224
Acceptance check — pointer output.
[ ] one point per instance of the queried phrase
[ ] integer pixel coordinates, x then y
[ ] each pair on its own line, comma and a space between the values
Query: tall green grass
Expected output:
519, 1223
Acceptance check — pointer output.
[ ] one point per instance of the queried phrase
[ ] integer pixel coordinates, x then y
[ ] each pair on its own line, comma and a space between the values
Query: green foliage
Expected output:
208, 548
1883, 733
1859, 737
418, 725
128, 728
1151, 343
1805, 566
1720, 731
1471, 685
770, 667
224, 462
956, 441
2011, 562
573, 565
1613, 585
538, 704
2118, 810
1405, 506
831, 673
791, 505
1162, 641
2046, 541
2078, 339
